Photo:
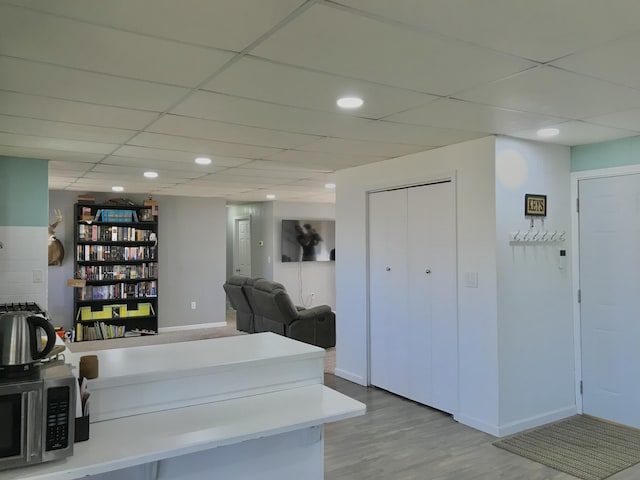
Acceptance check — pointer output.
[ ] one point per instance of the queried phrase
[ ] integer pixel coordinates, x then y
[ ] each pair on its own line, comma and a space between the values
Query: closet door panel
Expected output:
435, 207
420, 302
389, 322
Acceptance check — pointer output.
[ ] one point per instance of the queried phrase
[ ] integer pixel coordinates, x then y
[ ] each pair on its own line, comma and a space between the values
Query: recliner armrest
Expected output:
314, 312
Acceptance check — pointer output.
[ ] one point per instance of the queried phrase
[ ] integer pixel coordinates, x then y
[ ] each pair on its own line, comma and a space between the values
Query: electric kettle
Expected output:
21, 338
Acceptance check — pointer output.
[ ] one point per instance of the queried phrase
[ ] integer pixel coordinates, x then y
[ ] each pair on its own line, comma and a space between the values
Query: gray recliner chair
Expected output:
258, 320
316, 325
240, 303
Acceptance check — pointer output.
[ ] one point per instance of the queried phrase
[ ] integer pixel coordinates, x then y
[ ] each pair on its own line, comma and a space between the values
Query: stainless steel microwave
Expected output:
37, 415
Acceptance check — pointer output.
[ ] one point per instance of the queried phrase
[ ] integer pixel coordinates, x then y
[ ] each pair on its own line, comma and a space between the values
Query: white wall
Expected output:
473, 165
60, 308
535, 325
303, 278
191, 259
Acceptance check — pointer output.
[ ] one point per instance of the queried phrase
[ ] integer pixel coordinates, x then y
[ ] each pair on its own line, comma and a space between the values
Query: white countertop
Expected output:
126, 442
147, 363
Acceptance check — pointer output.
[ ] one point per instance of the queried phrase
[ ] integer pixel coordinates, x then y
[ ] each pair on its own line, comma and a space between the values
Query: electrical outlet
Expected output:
193, 305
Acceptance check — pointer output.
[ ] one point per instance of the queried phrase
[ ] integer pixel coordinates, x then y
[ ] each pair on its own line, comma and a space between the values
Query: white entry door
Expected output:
242, 247
610, 304
412, 297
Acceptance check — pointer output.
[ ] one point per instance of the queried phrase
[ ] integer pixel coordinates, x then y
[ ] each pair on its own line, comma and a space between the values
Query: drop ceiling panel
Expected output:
360, 47
271, 165
226, 24
229, 109
208, 129
24, 76
614, 62
124, 172
71, 131
579, 133
75, 167
48, 154
175, 156
551, 91
14, 140
286, 85
235, 181
200, 146
450, 113
360, 147
275, 175
47, 38
627, 120
541, 31
429, 137
147, 164
325, 161
44, 108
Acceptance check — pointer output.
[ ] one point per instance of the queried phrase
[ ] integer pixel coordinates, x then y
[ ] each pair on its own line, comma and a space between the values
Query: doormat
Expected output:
582, 446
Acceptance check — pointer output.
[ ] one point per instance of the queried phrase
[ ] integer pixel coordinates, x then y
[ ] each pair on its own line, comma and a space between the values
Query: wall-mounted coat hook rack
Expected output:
536, 237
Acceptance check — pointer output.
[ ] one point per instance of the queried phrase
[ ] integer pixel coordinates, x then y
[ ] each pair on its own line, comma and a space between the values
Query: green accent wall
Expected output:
24, 192
616, 153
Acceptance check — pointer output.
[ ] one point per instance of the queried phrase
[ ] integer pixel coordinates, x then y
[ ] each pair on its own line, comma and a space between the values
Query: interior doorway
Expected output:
242, 247
609, 253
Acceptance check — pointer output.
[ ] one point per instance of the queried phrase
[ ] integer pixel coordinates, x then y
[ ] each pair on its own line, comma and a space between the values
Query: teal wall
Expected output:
616, 153
24, 192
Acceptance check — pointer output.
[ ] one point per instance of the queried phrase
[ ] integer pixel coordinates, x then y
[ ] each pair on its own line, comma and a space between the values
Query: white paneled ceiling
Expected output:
109, 89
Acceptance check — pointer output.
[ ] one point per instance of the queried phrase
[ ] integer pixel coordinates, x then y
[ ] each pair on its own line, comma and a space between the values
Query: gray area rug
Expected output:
582, 446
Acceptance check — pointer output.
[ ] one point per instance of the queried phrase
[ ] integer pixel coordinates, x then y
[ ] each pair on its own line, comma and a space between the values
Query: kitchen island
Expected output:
250, 406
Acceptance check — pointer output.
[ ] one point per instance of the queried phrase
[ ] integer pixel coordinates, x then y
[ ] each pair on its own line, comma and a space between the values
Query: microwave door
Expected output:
12, 437
21, 421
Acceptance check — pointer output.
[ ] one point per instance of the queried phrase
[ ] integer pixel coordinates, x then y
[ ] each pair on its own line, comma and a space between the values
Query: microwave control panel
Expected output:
58, 402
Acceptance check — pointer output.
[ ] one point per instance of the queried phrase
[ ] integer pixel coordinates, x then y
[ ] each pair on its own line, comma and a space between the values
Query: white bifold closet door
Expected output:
413, 303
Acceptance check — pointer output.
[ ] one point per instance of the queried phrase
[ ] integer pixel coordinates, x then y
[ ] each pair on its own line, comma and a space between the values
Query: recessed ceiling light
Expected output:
203, 161
350, 102
330, 186
270, 196
548, 132
151, 174
117, 188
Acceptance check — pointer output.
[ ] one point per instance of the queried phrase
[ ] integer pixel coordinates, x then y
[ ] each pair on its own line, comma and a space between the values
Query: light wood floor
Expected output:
398, 439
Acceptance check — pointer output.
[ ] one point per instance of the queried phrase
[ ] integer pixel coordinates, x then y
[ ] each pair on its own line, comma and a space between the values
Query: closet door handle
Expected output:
388, 269
428, 271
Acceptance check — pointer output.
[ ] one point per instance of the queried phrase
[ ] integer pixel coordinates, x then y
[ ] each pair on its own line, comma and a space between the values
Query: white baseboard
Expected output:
350, 376
518, 426
477, 424
191, 327
536, 421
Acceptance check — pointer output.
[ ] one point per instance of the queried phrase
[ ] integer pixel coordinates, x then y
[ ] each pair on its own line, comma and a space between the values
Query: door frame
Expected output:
236, 236
442, 177
576, 177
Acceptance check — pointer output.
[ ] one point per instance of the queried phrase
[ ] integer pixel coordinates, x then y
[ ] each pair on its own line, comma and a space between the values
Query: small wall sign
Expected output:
535, 205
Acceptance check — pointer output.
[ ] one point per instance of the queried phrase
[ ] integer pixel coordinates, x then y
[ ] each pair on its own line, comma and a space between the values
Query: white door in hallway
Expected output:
413, 302
242, 247
610, 304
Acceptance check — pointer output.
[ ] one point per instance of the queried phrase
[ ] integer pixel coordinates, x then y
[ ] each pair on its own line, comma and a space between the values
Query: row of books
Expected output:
102, 233
114, 215
114, 253
117, 272
98, 331
118, 291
